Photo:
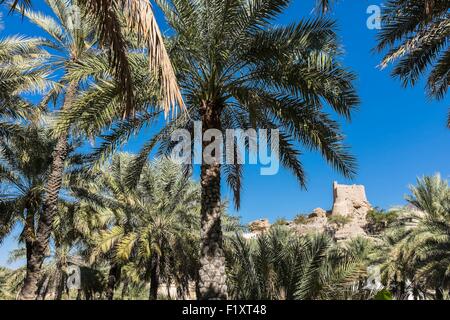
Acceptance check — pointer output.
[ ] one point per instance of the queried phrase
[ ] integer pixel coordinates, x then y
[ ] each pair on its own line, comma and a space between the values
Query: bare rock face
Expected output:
259, 226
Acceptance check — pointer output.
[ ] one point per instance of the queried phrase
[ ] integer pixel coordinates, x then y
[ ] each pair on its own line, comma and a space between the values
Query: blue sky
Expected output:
396, 135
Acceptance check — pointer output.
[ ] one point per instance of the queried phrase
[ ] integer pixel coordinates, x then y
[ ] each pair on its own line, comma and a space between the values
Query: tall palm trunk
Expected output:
155, 266
212, 277
113, 279
50, 208
29, 235
124, 289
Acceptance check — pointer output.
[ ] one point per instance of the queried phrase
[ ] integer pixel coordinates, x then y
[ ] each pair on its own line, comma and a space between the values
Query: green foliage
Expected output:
377, 216
155, 219
280, 222
379, 220
416, 247
383, 295
22, 72
24, 162
128, 212
339, 219
259, 76
283, 265
5, 292
301, 219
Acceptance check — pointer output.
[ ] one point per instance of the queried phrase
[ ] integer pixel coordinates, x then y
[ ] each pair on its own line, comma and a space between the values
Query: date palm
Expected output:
107, 17
283, 265
21, 72
24, 165
241, 72
10, 281
236, 70
418, 244
416, 32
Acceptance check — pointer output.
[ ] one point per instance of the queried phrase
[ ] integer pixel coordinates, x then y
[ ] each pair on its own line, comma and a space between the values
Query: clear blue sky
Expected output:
396, 135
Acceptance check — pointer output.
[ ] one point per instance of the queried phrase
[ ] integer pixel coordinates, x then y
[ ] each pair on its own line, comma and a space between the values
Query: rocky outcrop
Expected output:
311, 225
346, 219
259, 226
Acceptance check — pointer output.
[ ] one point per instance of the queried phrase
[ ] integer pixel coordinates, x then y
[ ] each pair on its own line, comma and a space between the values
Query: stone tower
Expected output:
348, 198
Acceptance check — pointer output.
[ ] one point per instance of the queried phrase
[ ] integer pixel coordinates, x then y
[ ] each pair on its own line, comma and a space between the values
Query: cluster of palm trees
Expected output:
281, 265
418, 243
224, 64
408, 258
131, 241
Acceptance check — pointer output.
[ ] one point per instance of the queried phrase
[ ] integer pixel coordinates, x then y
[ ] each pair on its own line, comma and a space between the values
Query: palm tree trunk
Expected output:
113, 278
124, 290
57, 285
29, 236
50, 208
154, 276
212, 277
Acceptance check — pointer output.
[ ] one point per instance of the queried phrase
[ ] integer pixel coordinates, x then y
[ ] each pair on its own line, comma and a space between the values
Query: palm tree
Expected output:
22, 72
55, 273
238, 71
153, 226
283, 265
71, 230
418, 245
416, 34
432, 235
107, 15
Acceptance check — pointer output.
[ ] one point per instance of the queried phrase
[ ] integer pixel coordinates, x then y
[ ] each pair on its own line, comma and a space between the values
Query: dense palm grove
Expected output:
139, 226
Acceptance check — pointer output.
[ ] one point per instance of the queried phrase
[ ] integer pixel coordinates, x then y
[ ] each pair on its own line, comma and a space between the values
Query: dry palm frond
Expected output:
141, 19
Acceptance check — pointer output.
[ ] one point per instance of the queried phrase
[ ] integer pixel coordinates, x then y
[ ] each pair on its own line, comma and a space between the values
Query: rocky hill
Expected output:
345, 220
